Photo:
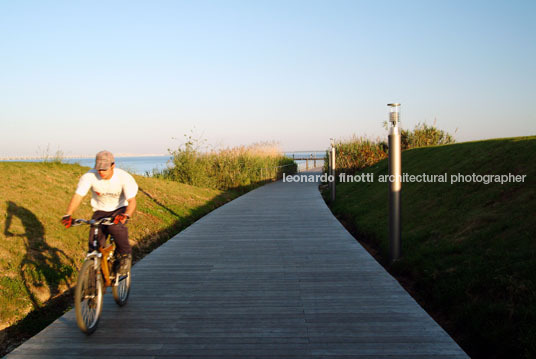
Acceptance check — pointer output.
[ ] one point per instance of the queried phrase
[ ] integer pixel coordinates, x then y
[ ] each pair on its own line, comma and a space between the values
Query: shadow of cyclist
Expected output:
158, 202
43, 268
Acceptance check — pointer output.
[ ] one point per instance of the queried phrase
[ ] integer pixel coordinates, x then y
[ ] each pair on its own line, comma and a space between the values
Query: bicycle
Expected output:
99, 271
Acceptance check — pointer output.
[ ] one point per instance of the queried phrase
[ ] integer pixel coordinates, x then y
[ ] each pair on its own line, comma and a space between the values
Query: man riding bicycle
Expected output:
113, 194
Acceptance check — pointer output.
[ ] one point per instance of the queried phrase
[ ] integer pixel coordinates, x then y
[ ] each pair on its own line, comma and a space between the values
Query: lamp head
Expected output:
394, 113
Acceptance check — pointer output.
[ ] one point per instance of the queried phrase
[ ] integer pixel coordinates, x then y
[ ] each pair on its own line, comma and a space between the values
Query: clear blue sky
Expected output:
130, 75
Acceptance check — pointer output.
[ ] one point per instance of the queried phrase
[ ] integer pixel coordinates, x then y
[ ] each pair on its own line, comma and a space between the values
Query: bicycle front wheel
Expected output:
88, 297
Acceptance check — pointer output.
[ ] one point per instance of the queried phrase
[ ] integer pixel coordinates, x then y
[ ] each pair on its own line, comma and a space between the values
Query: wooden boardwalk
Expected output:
270, 275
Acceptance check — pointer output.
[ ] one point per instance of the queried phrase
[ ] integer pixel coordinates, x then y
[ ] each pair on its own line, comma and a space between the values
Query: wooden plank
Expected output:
271, 274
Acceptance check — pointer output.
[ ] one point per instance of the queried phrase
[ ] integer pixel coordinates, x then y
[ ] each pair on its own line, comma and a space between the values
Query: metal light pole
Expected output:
329, 166
395, 182
333, 173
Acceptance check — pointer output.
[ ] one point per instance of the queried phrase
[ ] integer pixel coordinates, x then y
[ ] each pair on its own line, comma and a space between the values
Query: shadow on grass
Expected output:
44, 268
44, 314
157, 202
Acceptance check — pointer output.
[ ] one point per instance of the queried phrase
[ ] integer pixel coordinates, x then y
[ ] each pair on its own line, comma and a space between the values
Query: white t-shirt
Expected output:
108, 195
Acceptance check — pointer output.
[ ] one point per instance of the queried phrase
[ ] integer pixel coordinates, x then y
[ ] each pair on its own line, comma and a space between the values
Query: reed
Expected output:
358, 152
229, 168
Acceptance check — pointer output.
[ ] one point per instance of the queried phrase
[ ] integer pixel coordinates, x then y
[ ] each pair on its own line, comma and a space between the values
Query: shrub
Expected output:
358, 153
424, 135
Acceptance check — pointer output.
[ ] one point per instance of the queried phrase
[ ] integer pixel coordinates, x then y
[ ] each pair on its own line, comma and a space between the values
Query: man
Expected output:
113, 195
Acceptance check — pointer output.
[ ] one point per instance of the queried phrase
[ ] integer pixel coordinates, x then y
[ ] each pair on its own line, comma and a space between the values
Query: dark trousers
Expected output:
118, 231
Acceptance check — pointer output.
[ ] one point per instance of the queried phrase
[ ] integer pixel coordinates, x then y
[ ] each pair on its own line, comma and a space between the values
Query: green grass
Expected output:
39, 258
469, 249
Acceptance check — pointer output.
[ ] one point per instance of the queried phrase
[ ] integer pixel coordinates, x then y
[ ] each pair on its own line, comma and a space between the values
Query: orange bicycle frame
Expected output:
104, 264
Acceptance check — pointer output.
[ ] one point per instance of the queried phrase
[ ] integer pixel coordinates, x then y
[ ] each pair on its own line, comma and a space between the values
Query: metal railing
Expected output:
307, 159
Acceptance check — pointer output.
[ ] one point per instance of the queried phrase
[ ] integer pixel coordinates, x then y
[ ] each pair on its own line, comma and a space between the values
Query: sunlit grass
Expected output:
39, 258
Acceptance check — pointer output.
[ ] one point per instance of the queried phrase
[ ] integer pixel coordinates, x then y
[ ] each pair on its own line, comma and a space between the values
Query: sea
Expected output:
147, 165
142, 165
307, 154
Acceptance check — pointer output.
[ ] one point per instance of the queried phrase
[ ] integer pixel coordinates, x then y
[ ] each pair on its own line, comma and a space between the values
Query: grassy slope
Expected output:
469, 250
39, 258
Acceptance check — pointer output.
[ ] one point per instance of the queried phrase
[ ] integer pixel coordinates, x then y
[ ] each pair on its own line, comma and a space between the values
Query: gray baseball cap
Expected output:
104, 160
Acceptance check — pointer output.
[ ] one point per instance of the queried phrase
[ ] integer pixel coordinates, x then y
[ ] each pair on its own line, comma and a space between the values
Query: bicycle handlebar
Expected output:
106, 221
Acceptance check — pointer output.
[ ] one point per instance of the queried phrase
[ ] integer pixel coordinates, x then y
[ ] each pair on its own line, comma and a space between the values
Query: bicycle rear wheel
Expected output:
88, 297
122, 289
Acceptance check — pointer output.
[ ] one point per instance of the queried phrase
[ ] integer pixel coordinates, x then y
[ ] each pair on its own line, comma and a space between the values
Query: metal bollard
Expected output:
333, 169
395, 186
329, 169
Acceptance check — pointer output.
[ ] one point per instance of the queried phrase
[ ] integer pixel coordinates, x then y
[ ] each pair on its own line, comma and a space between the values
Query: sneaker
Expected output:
125, 261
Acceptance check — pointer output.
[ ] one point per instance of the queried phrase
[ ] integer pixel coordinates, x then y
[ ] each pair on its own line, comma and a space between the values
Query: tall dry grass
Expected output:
228, 168
358, 152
